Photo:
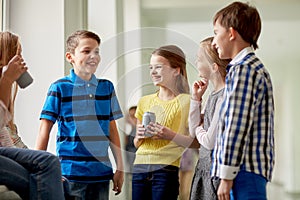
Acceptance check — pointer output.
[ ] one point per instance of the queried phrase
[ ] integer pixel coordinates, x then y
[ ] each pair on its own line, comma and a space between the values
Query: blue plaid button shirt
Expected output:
245, 139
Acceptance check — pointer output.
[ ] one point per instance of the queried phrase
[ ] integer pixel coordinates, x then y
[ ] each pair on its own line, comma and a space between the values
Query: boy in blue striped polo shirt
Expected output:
85, 109
244, 150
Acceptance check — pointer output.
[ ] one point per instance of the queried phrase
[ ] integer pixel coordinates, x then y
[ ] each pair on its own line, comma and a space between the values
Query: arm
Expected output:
15, 68
186, 141
115, 146
162, 132
5, 116
44, 132
208, 138
194, 116
238, 119
139, 136
198, 89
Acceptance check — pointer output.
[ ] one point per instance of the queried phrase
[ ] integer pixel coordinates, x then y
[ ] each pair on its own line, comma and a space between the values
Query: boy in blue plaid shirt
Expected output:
244, 152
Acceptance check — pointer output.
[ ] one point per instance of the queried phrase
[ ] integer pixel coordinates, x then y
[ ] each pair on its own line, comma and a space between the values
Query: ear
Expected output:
69, 57
233, 33
177, 71
215, 67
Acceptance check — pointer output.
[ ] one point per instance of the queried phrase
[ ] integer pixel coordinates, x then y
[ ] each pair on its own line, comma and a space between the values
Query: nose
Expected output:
213, 43
92, 55
153, 70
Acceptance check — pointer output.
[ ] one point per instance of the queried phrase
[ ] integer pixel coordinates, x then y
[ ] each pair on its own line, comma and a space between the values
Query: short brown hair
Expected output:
73, 40
243, 18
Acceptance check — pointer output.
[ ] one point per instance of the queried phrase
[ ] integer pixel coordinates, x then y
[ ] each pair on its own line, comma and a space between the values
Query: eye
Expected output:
150, 67
86, 51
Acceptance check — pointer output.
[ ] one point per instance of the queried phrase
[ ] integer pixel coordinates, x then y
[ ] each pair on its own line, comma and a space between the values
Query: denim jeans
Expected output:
155, 182
89, 191
249, 186
32, 174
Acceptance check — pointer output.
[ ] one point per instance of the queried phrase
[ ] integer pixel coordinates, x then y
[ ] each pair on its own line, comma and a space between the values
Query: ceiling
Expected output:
162, 11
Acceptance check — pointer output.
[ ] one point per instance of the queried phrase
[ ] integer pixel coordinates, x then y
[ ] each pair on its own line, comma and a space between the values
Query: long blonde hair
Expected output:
212, 56
9, 44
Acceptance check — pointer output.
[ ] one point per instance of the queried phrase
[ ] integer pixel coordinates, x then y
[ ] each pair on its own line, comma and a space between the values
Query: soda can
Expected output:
24, 80
147, 118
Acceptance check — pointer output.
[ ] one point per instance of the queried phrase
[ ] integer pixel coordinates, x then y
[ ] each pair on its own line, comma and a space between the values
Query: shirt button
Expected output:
88, 85
91, 95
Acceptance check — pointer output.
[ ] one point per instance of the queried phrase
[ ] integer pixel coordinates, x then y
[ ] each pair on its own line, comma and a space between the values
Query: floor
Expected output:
275, 192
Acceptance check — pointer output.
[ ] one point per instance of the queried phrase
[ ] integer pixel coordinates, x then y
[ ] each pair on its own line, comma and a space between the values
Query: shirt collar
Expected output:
79, 82
242, 54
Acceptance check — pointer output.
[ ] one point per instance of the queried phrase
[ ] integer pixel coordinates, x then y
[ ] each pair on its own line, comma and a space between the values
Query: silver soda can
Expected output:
24, 80
147, 118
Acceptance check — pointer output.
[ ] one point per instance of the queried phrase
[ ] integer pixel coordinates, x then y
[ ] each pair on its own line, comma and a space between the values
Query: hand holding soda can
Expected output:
147, 118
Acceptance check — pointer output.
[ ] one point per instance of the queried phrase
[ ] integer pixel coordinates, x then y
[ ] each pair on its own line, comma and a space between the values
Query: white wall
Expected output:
39, 23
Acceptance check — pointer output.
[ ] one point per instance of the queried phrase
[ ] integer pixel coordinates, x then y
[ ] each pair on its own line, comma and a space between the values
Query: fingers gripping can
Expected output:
147, 118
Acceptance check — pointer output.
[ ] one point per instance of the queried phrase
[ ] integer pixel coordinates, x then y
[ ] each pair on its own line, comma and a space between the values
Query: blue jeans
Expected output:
249, 186
89, 191
32, 174
155, 182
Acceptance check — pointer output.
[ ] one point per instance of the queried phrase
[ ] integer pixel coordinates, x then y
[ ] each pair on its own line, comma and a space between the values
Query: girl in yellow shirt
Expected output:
155, 171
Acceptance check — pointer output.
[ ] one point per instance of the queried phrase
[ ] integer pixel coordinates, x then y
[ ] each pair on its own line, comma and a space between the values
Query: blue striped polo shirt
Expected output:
83, 111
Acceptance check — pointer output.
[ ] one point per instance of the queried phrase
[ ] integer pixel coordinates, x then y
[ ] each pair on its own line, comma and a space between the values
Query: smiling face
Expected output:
222, 41
161, 72
203, 65
85, 58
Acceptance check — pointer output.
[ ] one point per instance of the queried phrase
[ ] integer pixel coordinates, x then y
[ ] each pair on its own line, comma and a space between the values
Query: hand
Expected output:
118, 180
199, 88
224, 189
139, 135
140, 132
15, 67
160, 132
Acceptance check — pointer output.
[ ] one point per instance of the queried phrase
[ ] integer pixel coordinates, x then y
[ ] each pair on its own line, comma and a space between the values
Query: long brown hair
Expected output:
176, 58
9, 43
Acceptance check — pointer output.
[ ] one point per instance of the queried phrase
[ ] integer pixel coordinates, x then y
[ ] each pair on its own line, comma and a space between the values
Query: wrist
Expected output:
119, 171
137, 142
196, 98
7, 80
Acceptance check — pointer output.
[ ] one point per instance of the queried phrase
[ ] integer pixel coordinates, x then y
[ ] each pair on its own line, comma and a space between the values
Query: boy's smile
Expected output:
221, 40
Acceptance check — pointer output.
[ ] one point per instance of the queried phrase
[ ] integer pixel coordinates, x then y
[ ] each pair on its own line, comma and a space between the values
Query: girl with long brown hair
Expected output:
11, 48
